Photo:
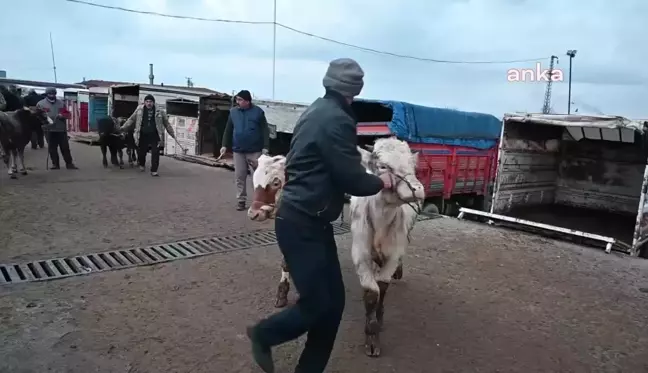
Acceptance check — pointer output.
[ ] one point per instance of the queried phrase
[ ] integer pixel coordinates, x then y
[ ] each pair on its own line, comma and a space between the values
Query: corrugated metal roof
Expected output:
34, 83
282, 114
600, 121
175, 88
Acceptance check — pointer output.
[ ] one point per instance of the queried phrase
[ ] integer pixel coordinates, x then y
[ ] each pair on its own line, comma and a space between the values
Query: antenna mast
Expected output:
546, 107
53, 60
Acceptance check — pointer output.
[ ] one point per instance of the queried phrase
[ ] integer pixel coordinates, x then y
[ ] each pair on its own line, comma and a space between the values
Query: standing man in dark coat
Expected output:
57, 136
247, 135
322, 165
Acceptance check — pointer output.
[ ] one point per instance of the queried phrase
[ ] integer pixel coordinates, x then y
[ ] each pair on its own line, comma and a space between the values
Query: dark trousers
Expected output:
60, 140
311, 255
146, 141
38, 138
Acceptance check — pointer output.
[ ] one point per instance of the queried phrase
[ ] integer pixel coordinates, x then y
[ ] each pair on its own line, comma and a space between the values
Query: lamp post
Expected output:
571, 53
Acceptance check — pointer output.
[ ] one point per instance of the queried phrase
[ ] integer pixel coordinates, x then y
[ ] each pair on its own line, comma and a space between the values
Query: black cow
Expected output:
13, 101
129, 142
38, 137
111, 139
16, 128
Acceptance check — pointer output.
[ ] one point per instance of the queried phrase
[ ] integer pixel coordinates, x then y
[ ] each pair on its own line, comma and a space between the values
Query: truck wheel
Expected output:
430, 208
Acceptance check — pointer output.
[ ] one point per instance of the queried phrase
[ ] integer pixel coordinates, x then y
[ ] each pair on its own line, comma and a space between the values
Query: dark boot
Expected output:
262, 354
55, 167
71, 166
240, 206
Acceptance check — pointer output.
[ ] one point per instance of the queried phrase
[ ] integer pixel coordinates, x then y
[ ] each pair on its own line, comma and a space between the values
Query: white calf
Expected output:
380, 227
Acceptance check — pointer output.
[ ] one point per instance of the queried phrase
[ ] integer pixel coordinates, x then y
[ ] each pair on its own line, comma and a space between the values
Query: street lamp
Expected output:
571, 53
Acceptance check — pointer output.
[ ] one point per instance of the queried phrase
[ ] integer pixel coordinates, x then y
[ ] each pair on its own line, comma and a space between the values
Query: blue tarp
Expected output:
422, 124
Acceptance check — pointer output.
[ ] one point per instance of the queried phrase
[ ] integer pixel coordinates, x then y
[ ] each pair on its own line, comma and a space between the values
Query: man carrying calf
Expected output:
247, 134
57, 136
322, 165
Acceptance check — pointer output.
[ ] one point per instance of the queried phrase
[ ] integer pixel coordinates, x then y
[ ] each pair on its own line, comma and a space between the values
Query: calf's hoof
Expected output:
23, 172
282, 295
372, 345
399, 273
105, 164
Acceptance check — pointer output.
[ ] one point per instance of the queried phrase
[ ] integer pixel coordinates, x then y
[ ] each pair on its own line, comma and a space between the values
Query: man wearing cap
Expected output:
57, 136
247, 135
150, 123
322, 165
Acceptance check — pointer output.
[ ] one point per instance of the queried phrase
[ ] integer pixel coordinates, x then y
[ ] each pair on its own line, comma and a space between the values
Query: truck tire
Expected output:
430, 208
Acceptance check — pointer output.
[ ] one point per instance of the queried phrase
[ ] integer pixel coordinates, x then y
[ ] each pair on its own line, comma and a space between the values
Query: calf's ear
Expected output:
366, 156
414, 159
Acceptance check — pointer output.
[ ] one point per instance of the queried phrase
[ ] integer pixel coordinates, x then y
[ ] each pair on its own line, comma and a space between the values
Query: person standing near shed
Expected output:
57, 136
150, 123
247, 135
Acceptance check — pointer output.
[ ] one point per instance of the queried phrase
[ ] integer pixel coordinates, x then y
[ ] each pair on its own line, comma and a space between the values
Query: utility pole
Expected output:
274, 48
546, 107
189, 83
151, 76
53, 60
571, 53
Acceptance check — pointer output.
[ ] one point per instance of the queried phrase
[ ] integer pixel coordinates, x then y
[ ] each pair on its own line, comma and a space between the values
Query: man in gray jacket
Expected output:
247, 134
322, 165
57, 132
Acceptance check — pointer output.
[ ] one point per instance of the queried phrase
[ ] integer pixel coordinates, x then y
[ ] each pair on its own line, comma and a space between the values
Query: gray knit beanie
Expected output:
344, 76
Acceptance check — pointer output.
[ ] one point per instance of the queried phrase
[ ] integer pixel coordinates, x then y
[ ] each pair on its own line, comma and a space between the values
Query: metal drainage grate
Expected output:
51, 269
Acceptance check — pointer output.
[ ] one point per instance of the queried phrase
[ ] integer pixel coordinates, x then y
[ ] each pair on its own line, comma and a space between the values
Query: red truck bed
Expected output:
447, 170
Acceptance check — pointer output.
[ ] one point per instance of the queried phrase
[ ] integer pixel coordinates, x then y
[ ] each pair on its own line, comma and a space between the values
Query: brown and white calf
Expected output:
380, 224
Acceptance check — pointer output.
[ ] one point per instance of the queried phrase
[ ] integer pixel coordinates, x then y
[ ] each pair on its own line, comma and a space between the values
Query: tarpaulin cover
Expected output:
422, 124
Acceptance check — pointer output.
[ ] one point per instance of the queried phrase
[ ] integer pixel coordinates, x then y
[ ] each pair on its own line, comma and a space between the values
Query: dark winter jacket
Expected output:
324, 163
246, 130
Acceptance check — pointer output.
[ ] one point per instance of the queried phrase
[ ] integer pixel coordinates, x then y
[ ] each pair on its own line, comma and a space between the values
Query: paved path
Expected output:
63, 212
474, 298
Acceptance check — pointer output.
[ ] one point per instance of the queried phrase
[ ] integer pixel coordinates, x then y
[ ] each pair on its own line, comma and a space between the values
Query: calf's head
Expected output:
268, 179
393, 155
33, 117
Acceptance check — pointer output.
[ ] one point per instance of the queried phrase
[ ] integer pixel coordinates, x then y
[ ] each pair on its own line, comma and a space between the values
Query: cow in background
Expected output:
111, 139
38, 136
16, 129
129, 142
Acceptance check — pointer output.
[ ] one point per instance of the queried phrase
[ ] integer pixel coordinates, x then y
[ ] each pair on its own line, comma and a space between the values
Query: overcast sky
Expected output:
609, 69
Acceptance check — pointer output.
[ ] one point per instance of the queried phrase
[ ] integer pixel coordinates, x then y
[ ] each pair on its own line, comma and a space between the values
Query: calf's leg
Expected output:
21, 161
12, 164
398, 274
120, 155
284, 286
364, 268
104, 149
385, 274
113, 155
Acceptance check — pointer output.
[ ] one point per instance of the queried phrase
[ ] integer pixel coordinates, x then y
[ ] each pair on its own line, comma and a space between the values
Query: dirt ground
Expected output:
473, 298
62, 212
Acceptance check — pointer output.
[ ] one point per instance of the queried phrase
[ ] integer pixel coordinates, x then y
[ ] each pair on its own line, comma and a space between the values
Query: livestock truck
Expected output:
574, 177
457, 149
